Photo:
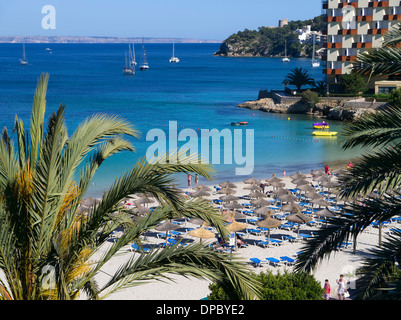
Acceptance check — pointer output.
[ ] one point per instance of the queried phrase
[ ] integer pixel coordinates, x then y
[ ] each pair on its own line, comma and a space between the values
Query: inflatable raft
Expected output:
324, 133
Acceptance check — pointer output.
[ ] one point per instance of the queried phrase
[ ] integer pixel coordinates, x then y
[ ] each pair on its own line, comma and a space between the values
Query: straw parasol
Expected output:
89, 202
299, 218
263, 211
139, 210
268, 223
226, 190
233, 205
253, 187
228, 197
322, 178
201, 233
277, 184
260, 202
204, 188
325, 213
298, 175
280, 192
200, 193
300, 181
320, 202
167, 226
273, 178
288, 198
305, 187
196, 221
227, 184
291, 207
235, 226
252, 181
257, 194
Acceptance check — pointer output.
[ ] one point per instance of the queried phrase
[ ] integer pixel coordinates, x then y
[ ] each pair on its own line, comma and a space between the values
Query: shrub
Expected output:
353, 83
395, 98
286, 286
310, 97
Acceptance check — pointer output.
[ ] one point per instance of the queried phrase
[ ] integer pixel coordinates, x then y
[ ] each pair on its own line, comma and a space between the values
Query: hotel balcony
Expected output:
335, 19
391, 17
362, 45
334, 45
364, 18
378, 31
346, 58
379, 4
332, 71
346, 3
350, 32
325, 5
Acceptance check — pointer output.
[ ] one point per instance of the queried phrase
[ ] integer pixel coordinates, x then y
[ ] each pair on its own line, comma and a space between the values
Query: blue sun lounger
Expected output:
256, 262
287, 260
135, 247
275, 262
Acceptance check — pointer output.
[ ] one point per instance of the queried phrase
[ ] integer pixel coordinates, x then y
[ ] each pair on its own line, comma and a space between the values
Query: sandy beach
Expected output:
343, 261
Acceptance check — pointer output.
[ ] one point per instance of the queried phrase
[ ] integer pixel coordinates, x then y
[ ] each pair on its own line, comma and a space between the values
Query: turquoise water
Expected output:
200, 92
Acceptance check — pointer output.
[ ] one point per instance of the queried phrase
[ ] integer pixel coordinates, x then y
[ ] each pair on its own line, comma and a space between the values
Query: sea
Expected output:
201, 92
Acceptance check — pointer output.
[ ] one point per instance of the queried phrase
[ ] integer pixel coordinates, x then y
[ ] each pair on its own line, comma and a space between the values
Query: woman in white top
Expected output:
342, 288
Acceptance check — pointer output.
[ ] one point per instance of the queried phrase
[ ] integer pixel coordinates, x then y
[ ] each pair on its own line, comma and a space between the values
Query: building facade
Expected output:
354, 26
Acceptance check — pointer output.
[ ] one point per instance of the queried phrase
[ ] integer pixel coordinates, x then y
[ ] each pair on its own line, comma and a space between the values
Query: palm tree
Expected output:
49, 246
298, 77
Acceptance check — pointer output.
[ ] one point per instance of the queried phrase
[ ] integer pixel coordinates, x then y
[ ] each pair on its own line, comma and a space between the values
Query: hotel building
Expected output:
352, 27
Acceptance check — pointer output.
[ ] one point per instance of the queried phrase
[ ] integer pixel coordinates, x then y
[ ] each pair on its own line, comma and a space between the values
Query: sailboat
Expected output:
285, 59
174, 59
315, 63
23, 61
129, 68
144, 65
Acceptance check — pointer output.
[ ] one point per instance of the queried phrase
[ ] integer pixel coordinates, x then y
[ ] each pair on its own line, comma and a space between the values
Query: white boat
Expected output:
23, 61
315, 63
174, 59
132, 58
145, 64
285, 59
129, 68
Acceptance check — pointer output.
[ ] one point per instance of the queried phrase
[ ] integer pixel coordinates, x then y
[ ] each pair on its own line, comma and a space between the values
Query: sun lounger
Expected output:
305, 236
275, 262
263, 244
135, 247
255, 232
275, 242
256, 262
287, 260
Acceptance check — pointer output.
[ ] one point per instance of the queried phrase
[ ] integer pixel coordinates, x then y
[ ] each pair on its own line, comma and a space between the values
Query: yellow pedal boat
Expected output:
321, 127
324, 133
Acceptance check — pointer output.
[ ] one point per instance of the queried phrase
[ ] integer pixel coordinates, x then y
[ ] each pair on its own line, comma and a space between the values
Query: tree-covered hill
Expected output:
268, 41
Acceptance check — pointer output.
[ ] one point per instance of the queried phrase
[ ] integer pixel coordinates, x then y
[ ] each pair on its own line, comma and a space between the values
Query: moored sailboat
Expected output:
173, 58
145, 64
24, 60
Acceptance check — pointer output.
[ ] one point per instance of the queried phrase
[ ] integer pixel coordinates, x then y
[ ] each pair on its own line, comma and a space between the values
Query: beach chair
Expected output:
264, 244
275, 242
256, 262
273, 261
255, 232
175, 233
135, 247
304, 236
287, 260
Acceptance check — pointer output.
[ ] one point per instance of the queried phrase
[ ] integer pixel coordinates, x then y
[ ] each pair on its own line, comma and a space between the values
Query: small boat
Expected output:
285, 59
144, 65
174, 59
129, 68
324, 133
240, 123
315, 63
23, 61
322, 125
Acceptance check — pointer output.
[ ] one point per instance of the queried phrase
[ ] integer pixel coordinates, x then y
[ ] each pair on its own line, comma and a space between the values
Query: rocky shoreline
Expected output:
331, 108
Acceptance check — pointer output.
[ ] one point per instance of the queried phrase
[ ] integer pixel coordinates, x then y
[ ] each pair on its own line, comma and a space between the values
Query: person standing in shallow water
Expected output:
189, 181
196, 179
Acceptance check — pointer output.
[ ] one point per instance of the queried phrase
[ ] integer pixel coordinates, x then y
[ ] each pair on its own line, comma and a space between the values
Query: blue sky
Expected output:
203, 19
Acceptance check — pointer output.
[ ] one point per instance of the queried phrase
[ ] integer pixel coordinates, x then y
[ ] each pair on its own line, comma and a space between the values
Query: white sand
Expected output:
340, 262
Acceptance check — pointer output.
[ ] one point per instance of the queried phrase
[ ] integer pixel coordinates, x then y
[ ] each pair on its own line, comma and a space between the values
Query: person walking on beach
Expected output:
342, 288
189, 181
327, 169
327, 289
196, 179
284, 173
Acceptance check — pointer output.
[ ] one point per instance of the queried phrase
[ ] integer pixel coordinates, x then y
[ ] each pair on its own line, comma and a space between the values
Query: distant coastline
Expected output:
97, 39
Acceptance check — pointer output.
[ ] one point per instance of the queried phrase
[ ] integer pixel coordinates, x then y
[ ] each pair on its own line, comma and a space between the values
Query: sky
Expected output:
200, 19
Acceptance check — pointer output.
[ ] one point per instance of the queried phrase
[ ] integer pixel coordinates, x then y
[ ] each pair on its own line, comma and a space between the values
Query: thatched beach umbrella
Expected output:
167, 226
204, 188
196, 221
273, 178
235, 226
202, 233
291, 207
139, 210
89, 202
299, 218
277, 184
233, 205
252, 181
200, 193
257, 194
322, 178
228, 197
253, 187
263, 211
260, 202
320, 202
288, 198
325, 213
300, 181
268, 223
226, 190
228, 184
279, 192
298, 175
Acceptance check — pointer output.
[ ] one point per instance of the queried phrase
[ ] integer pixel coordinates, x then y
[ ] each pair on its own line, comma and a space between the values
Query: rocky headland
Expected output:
332, 108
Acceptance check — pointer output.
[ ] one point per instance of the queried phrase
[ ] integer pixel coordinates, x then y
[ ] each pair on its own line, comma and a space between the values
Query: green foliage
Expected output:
268, 41
298, 77
310, 97
286, 286
353, 83
394, 98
